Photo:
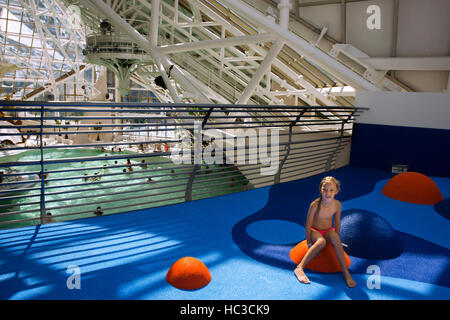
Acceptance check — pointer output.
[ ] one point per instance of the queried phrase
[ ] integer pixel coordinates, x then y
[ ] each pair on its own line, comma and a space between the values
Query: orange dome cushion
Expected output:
413, 187
326, 261
188, 273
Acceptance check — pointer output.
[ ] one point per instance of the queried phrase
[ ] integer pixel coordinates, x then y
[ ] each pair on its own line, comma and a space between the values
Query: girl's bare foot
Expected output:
349, 280
301, 276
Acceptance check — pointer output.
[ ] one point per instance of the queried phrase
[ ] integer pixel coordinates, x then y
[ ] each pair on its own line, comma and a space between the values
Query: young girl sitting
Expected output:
319, 229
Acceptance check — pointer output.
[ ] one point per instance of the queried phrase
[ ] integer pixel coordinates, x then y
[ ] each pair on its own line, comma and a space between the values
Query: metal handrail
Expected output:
71, 186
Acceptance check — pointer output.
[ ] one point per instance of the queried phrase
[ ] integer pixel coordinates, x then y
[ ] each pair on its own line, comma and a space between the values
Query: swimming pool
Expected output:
80, 184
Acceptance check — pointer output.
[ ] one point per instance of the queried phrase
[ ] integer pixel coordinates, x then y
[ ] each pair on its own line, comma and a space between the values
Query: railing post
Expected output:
339, 142
205, 119
345, 121
286, 155
43, 213
188, 192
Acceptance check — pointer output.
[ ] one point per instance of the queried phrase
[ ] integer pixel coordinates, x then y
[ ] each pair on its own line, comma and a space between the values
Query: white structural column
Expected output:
318, 57
284, 7
154, 22
160, 59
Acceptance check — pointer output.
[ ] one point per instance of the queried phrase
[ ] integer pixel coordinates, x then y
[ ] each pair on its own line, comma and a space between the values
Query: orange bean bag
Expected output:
413, 187
326, 261
188, 273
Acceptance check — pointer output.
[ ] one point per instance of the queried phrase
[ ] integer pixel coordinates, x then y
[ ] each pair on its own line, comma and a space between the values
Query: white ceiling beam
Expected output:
198, 24
342, 91
219, 43
307, 49
244, 59
324, 2
409, 63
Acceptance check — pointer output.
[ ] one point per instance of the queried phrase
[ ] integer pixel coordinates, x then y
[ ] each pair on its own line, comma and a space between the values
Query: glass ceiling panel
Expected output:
23, 54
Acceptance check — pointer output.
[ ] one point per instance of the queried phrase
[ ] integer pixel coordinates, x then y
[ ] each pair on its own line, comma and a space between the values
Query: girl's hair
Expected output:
328, 179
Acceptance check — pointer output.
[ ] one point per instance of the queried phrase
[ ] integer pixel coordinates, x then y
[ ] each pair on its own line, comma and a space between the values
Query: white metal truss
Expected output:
222, 50
255, 48
40, 38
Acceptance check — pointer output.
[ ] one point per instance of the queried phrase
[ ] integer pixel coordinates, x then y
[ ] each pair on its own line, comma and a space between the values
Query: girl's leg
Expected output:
335, 240
319, 243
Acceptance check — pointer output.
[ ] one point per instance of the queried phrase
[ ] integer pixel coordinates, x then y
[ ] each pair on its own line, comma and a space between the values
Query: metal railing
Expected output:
62, 161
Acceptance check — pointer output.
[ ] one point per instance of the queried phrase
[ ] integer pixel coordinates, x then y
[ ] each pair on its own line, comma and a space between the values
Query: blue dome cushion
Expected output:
368, 235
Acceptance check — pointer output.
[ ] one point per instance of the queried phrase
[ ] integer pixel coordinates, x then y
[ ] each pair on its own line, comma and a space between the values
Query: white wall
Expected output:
412, 109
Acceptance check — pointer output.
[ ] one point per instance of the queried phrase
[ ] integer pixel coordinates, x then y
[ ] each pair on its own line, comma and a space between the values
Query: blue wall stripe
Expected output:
425, 150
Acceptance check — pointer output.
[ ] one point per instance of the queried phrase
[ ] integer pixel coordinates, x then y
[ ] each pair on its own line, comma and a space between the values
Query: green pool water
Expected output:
75, 189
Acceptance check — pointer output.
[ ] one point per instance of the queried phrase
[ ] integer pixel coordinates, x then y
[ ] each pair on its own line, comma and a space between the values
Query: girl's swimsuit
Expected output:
322, 232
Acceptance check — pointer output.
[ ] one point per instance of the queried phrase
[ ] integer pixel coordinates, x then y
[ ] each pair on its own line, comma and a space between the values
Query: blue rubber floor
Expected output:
244, 240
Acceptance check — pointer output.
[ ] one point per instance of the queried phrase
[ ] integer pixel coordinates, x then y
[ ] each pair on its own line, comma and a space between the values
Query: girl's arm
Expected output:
309, 222
337, 218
